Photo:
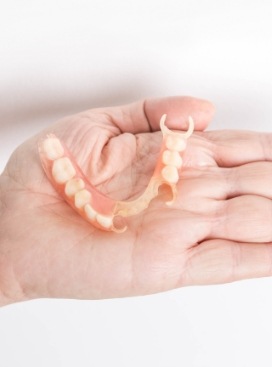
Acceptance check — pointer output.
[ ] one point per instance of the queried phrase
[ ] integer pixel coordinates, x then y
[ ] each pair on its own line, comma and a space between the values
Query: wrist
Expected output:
10, 290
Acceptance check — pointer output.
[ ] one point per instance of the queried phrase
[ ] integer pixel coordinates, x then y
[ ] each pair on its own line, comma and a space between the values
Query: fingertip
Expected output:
178, 109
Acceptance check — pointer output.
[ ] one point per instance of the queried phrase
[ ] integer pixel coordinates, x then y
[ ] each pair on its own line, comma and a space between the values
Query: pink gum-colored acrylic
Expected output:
107, 208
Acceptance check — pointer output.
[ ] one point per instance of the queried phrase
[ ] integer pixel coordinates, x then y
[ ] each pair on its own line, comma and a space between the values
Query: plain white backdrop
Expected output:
58, 57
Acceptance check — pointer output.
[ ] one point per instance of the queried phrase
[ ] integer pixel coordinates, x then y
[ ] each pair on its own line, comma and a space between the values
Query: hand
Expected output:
218, 230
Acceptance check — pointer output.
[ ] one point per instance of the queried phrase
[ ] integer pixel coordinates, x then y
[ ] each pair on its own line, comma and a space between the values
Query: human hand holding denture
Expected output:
66, 193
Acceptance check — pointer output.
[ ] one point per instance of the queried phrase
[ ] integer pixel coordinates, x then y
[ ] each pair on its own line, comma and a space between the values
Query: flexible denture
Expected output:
70, 182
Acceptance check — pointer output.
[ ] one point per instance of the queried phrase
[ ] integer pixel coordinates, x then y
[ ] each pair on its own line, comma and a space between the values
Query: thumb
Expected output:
178, 109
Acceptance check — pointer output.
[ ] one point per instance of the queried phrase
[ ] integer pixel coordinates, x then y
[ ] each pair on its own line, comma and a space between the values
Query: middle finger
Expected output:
225, 183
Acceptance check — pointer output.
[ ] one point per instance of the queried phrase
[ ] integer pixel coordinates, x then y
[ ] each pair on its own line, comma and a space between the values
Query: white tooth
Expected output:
82, 198
90, 212
172, 158
104, 221
52, 148
73, 186
175, 142
63, 170
170, 174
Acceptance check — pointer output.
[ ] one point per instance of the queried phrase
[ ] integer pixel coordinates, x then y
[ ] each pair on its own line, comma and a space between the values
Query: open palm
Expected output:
47, 250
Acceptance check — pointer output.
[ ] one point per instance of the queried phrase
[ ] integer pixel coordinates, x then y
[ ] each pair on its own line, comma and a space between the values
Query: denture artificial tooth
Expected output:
82, 198
52, 148
73, 186
63, 170
70, 182
104, 221
172, 158
170, 174
175, 142
90, 212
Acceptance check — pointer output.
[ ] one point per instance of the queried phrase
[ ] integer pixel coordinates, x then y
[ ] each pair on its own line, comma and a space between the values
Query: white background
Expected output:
60, 57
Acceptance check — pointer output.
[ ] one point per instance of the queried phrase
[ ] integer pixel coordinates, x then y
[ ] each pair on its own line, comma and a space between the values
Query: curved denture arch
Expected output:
99, 210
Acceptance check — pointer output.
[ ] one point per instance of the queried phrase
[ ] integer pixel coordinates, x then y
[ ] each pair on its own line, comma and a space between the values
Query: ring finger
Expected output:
246, 218
242, 207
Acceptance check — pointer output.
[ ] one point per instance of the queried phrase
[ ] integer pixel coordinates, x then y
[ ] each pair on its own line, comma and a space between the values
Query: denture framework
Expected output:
99, 210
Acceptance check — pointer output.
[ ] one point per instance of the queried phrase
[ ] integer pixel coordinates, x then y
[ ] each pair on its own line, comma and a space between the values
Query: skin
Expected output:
218, 230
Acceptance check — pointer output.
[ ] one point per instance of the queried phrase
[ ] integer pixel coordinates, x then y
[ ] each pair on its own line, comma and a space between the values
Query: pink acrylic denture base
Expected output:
105, 205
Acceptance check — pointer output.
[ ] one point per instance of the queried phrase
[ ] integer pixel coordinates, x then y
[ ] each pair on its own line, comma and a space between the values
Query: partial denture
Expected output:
68, 179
